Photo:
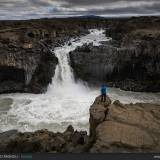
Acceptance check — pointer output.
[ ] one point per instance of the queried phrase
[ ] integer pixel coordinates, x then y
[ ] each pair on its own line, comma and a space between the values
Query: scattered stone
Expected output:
43, 141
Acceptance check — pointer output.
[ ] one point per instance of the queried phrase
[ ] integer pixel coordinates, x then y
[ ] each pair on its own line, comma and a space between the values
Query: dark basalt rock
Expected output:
130, 61
25, 66
26, 63
43, 74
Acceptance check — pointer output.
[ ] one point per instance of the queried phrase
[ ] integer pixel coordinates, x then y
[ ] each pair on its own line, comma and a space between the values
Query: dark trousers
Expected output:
103, 97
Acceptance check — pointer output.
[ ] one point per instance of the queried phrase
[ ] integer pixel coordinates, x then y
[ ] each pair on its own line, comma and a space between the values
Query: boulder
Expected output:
44, 141
120, 137
104, 104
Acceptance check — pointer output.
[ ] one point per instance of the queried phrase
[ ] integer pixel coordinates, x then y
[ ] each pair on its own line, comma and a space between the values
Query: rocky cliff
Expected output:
119, 128
125, 68
114, 128
26, 64
130, 61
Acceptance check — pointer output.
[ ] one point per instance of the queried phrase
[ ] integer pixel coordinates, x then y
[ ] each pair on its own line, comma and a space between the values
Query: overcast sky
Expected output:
29, 9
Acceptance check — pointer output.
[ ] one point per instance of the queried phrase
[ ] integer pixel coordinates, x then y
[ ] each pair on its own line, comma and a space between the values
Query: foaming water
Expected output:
66, 102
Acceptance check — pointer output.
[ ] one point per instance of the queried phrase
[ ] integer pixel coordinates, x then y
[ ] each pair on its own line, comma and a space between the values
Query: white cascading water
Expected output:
63, 81
74, 98
66, 102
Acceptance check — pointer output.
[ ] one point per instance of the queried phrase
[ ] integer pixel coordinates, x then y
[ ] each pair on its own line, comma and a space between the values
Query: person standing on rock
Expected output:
103, 93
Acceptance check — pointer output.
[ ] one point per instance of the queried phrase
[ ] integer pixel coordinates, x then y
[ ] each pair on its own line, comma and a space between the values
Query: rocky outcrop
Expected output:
125, 128
93, 63
98, 112
135, 68
44, 141
26, 65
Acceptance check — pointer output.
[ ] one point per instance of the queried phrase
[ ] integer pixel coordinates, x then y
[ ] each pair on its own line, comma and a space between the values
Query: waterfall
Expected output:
63, 72
64, 78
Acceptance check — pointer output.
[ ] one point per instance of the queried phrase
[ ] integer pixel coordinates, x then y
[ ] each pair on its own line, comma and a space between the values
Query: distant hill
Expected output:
89, 17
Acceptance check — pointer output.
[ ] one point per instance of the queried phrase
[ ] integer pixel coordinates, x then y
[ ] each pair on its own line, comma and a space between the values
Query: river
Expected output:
66, 102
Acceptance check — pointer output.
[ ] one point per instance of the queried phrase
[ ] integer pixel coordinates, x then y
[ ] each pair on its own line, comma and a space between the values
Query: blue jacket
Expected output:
104, 89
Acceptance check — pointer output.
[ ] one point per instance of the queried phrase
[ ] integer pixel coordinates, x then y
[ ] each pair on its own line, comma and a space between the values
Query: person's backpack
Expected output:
103, 89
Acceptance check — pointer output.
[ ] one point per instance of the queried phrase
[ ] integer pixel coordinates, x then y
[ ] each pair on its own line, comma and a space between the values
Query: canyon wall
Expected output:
129, 61
26, 64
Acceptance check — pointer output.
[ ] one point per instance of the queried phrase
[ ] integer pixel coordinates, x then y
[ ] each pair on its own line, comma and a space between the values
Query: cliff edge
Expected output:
124, 128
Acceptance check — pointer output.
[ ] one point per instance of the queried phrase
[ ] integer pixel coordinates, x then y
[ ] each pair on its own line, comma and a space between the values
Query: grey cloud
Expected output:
26, 9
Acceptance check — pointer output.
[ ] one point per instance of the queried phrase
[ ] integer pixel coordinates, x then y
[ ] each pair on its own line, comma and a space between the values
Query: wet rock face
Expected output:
43, 73
11, 79
88, 64
125, 128
44, 141
135, 67
141, 37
